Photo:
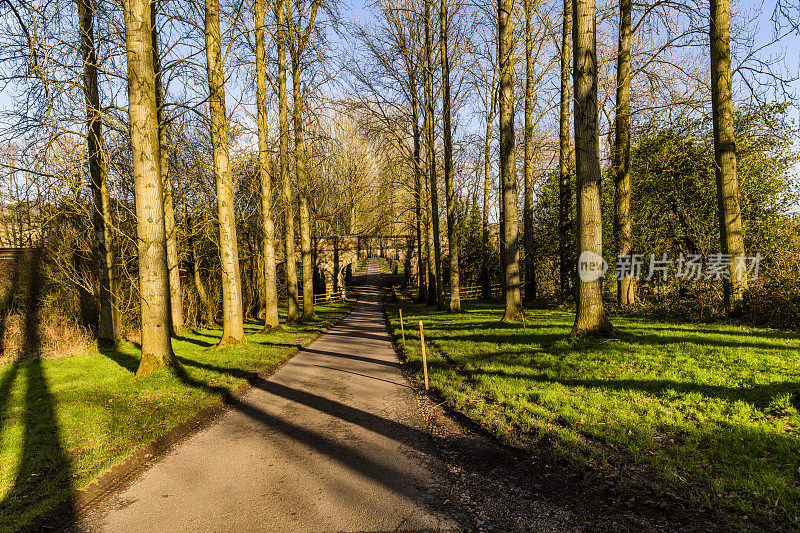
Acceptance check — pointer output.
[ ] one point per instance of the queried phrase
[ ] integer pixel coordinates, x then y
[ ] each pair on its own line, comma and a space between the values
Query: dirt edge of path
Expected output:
123, 474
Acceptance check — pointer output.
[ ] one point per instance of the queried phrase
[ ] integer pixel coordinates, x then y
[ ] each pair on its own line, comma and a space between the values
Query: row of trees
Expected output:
430, 111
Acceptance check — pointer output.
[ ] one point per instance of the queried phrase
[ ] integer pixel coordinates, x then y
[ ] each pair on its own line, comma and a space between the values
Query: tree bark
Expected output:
292, 306
270, 276
626, 287
173, 265
508, 180
302, 186
590, 318
232, 315
431, 142
564, 178
153, 282
452, 223
98, 175
487, 187
730, 217
527, 215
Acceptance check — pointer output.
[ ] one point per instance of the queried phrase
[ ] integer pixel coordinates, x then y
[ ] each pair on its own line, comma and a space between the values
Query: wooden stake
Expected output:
424, 359
402, 329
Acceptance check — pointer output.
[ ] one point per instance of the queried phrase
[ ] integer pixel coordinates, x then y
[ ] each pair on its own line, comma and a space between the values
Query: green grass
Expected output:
65, 421
706, 411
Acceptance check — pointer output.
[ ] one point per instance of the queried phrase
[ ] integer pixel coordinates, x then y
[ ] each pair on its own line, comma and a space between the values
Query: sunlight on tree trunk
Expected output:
730, 217
430, 122
267, 224
153, 283
232, 315
590, 318
508, 180
626, 287
564, 178
527, 216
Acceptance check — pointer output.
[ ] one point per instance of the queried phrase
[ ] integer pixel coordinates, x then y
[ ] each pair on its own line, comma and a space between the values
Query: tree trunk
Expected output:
173, 265
232, 316
267, 223
292, 307
487, 187
508, 168
302, 186
452, 223
98, 173
626, 287
730, 217
431, 142
429, 247
421, 294
153, 282
527, 216
590, 318
564, 179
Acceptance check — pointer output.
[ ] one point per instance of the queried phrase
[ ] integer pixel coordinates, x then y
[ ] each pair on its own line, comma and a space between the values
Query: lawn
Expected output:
65, 421
709, 411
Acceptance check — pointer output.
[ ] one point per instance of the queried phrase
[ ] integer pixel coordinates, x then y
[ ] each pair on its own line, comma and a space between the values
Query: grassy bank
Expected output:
705, 411
65, 421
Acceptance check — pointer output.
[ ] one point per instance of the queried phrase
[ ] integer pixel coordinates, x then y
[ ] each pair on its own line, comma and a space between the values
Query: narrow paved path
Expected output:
333, 441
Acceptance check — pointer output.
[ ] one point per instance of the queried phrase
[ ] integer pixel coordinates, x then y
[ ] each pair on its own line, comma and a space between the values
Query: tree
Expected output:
292, 307
98, 180
430, 126
731, 231
508, 181
590, 318
298, 40
626, 285
564, 177
452, 223
153, 281
267, 223
176, 299
527, 216
233, 319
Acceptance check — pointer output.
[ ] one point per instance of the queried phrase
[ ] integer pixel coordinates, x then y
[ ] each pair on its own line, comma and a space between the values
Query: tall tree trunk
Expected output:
267, 223
422, 293
232, 315
153, 282
564, 179
527, 215
626, 287
98, 173
302, 187
508, 168
590, 318
487, 187
292, 307
452, 223
173, 266
730, 216
431, 142
429, 244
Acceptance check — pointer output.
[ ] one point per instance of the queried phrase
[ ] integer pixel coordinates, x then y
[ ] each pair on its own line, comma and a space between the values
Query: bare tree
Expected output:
98, 180
508, 181
731, 231
564, 176
267, 222
590, 318
233, 319
153, 278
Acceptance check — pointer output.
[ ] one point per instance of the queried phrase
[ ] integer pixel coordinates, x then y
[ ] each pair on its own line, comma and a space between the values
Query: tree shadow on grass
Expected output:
44, 476
125, 360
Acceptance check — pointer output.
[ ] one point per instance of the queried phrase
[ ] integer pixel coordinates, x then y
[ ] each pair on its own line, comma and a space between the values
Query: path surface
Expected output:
333, 441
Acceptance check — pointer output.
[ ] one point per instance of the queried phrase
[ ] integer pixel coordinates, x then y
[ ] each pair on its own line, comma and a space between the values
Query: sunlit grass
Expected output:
65, 421
708, 410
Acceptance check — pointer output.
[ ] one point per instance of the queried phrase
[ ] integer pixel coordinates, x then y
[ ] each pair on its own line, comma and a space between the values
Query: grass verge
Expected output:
65, 421
707, 412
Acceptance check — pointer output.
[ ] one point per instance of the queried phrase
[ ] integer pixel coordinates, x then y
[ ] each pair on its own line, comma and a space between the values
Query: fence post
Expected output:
424, 359
402, 329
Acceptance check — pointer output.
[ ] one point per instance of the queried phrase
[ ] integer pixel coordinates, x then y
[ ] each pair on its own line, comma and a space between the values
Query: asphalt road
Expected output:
333, 441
